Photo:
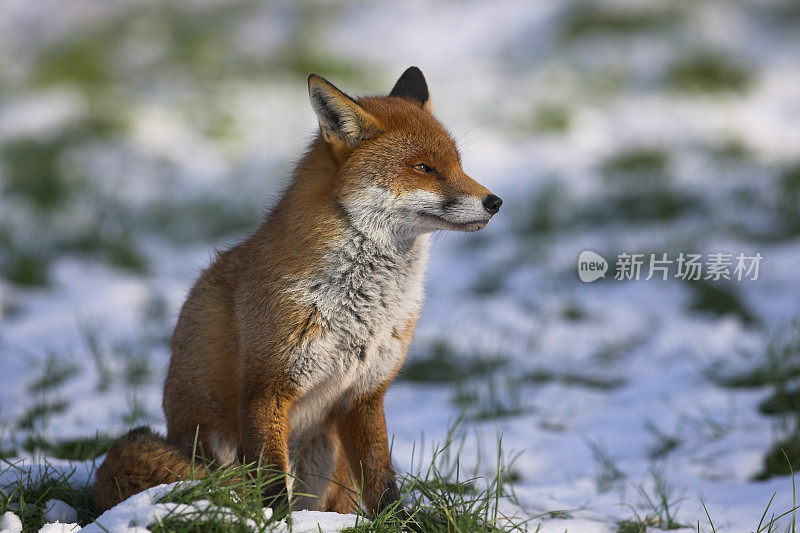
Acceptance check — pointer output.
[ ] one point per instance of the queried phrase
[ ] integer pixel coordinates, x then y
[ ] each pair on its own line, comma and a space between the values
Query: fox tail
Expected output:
139, 460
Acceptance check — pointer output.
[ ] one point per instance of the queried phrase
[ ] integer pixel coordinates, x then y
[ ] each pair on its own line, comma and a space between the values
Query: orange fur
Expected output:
139, 460
366, 446
241, 327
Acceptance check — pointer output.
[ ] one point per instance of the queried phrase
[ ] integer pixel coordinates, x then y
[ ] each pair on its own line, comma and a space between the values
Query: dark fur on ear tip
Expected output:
314, 79
411, 86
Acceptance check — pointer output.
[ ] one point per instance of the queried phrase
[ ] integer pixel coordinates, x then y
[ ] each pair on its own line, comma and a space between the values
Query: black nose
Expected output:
492, 203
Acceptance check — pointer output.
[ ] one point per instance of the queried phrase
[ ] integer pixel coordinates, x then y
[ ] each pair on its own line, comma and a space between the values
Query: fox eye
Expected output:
422, 167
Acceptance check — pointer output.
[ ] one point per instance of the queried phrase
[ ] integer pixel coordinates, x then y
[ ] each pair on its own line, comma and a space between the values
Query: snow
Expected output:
488, 66
143, 509
314, 521
10, 523
584, 526
59, 527
59, 511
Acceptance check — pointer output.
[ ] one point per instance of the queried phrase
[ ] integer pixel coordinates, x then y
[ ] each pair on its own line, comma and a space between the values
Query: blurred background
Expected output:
136, 137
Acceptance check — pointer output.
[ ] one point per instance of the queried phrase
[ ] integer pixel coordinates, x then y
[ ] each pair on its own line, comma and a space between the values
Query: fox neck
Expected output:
368, 274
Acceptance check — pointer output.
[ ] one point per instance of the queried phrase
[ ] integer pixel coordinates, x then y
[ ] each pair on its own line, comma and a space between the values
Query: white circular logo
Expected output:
591, 266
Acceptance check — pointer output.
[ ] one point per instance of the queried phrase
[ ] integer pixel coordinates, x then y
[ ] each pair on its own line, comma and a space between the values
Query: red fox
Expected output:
287, 343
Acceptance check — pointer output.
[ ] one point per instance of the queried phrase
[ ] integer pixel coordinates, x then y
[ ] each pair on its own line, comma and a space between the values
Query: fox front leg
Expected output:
265, 438
362, 429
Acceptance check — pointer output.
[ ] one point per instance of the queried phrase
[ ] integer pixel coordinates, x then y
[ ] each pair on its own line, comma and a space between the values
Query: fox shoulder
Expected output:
139, 460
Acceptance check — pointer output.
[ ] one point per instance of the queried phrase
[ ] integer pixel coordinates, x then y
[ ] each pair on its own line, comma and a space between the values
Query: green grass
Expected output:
32, 171
481, 386
639, 163
573, 379
477, 384
439, 494
100, 358
107, 241
137, 368
36, 176
661, 203
769, 521
490, 281
658, 204
490, 398
37, 414
83, 61
782, 14
639, 189
37, 170
785, 400
199, 40
202, 521
666, 443
587, 19
304, 53
607, 83
213, 119
302, 61
573, 312
788, 200
237, 489
441, 497
157, 334
730, 149
235, 495
548, 210
704, 423
659, 505
28, 493
29, 266
78, 449
137, 413
783, 457
24, 267
718, 299
708, 72
441, 364
608, 476
609, 353
57, 371
550, 118
201, 220
123, 253
777, 367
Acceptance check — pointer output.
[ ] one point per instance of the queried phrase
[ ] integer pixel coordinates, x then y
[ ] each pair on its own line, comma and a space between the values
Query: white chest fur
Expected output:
364, 292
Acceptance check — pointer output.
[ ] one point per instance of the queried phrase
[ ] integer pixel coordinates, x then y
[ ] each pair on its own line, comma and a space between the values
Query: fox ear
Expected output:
341, 119
412, 86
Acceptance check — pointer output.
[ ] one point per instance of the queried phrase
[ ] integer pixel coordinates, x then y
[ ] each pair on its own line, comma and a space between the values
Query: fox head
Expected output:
398, 169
